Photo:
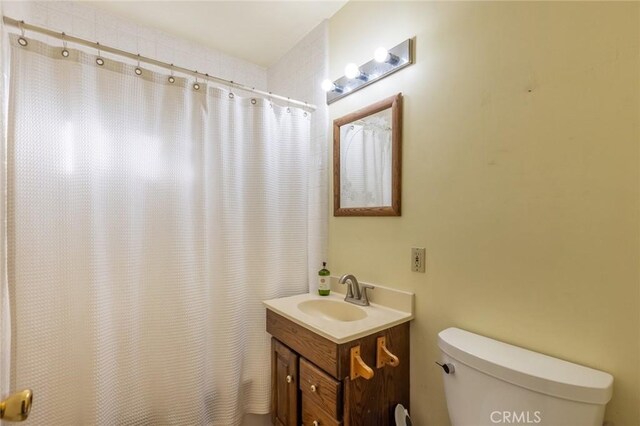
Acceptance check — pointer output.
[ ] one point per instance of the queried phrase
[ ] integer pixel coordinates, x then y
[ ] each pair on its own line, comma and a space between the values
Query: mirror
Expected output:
366, 160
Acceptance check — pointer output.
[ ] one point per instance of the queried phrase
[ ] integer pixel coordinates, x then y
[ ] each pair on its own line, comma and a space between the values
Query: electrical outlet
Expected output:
417, 259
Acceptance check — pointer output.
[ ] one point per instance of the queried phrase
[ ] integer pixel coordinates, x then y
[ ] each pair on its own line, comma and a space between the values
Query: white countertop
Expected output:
378, 317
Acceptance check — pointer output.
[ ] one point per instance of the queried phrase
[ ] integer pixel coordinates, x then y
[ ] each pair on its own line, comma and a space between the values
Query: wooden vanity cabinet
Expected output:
320, 391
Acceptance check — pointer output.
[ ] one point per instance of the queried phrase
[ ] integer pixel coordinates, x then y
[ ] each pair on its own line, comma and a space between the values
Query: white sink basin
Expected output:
337, 320
332, 310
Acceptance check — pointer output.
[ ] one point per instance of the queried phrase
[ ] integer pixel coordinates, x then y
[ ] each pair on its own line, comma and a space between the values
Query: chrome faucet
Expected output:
356, 293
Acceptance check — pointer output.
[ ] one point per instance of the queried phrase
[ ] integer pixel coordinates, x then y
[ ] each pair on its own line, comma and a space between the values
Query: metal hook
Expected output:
171, 77
21, 40
231, 95
64, 52
196, 86
138, 70
99, 59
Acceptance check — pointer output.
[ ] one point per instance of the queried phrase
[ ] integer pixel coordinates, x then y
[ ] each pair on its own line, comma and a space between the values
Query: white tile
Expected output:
148, 32
165, 54
182, 59
118, 23
65, 7
17, 10
60, 21
106, 34
83, 11
165, 39
83, 28
38, 14
128, 42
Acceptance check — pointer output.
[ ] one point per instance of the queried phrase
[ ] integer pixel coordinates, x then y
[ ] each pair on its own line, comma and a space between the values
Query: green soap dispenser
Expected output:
324, 286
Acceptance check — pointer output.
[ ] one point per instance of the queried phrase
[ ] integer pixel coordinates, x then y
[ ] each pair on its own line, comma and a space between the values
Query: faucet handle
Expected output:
363, 292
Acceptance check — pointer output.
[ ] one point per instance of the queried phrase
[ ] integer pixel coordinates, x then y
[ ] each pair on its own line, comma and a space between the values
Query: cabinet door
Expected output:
284, 385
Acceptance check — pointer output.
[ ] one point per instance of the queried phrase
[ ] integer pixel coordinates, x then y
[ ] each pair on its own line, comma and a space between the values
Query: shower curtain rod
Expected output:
102, 48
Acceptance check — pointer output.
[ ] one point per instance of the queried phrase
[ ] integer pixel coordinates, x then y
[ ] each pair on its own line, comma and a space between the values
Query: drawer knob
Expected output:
314, 388
316, 423
289, 378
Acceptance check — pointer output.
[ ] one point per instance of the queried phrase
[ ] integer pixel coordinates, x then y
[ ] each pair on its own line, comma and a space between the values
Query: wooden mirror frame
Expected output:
395, 103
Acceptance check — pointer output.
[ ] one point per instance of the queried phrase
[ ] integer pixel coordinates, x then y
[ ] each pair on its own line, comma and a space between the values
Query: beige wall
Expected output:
520, 177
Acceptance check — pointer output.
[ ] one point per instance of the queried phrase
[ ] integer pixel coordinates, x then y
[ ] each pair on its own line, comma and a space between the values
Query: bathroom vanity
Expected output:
331, 366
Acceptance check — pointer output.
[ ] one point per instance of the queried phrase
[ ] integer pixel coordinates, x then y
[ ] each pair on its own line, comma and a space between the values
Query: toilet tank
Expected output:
495, 383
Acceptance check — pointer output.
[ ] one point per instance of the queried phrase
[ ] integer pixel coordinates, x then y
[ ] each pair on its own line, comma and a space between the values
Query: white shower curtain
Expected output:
146, 223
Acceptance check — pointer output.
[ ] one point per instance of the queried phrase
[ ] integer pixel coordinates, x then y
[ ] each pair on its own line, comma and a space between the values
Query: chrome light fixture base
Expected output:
400, 56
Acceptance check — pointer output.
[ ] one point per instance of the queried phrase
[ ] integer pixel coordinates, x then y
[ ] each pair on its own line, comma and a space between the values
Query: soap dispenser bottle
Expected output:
324, 287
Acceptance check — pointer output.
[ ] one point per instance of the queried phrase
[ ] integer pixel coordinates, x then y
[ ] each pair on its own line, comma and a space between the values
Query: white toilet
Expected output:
488, 382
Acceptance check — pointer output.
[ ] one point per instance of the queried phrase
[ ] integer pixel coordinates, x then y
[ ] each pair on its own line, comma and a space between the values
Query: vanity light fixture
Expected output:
352, 71
329, 86
382, 55
384, 63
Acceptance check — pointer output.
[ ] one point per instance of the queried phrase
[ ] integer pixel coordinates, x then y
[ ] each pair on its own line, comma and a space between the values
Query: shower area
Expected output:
148, 209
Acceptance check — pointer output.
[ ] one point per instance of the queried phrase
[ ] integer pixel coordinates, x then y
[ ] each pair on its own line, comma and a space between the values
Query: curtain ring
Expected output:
231, 95
99, 59
138, 70
288, 105
64, 52
171, 78
21, 40
196, 86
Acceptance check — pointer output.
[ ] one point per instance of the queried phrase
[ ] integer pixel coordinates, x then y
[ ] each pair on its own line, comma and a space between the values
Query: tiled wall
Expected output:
86, 21
298, 75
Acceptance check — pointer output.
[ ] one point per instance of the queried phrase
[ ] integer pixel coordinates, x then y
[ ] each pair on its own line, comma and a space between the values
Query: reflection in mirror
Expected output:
366, 160
365, 166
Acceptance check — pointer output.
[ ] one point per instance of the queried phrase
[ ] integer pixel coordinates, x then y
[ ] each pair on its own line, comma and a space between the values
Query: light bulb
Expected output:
351, 70
327, 85
381, 55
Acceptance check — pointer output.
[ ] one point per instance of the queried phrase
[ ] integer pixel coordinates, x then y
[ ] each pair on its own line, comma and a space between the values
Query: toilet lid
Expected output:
402, 416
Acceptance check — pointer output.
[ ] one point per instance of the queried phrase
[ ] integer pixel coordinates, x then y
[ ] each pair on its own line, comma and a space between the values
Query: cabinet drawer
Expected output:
312, 413
320, 388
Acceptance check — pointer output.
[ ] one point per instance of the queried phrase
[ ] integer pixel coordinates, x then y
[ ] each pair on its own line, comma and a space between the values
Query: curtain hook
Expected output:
64, 52
99, 59
21, 40
270, 100
196, 86
171, 78
288, 105
253, 100
231, 95
138, 70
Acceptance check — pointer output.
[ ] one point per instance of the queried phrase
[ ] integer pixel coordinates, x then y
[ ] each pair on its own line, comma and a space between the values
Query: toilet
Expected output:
488, 382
